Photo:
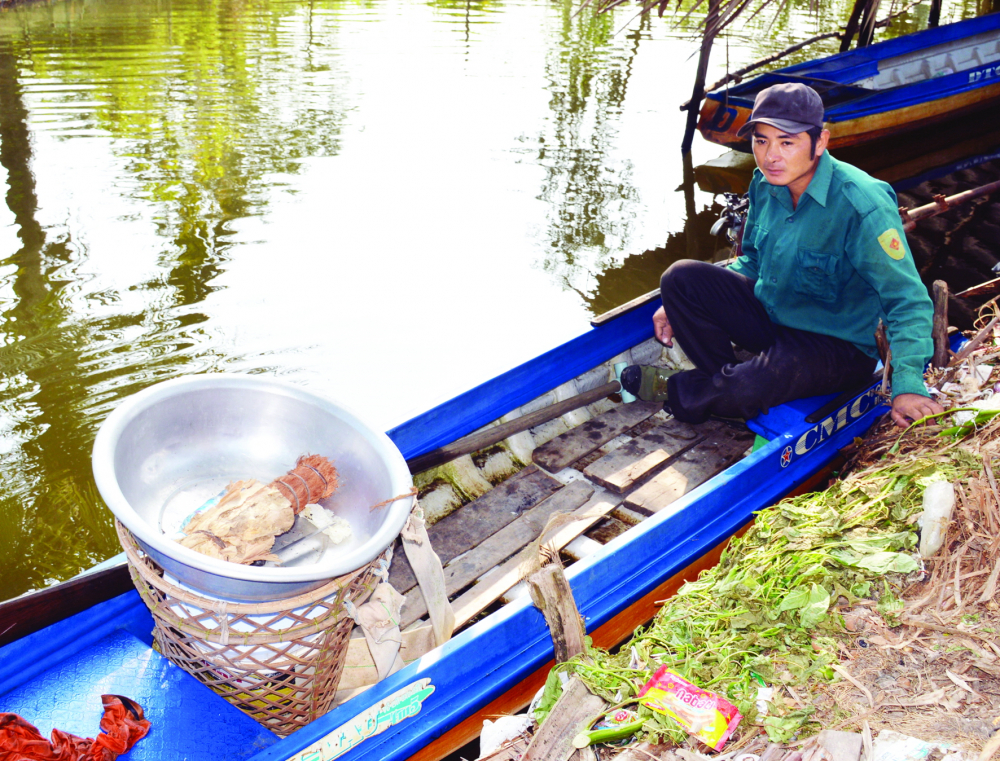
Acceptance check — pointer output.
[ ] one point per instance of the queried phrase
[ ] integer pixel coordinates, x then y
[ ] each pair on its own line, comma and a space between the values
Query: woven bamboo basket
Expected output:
279, 661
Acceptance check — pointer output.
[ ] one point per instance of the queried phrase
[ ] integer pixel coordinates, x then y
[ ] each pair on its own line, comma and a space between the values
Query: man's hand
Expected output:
661, 327
906, 408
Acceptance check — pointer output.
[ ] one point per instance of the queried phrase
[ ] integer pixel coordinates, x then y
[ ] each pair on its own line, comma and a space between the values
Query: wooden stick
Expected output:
855, 682
975, 342
737, 76
573, 713
476, 441
990, 749
884, 353
628, 306
698, 94
551, 593
939, 331
983, 289
867, 31
939, 205
910, 621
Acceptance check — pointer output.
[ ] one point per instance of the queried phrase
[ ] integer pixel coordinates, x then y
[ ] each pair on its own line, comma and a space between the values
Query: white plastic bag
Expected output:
893, 746
496, 733
939, 502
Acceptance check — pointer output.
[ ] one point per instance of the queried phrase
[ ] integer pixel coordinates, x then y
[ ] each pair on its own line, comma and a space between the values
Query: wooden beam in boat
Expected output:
613, 632
464, 570
359, 669
503, 577
477, 521
32, 612
630, 463
718, 451
490, 436
578, 442
628, 306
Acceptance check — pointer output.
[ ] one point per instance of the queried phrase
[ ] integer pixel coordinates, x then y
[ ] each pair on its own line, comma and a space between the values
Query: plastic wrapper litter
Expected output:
703, 714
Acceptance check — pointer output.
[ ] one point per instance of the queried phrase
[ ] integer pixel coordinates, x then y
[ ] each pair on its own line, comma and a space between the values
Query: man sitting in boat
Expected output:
823, 259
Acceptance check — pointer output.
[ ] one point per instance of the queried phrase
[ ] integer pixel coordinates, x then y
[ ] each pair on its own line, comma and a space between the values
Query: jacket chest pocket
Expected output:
816, 275
758, 237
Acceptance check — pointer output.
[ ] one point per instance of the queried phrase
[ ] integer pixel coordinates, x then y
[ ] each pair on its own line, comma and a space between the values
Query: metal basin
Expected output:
166, 450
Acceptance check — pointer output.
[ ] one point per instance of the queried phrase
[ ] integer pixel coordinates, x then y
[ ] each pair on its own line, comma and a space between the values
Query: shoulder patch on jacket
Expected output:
892, 244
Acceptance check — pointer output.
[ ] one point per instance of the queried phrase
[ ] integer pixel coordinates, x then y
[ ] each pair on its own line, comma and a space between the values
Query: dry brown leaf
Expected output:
959, 682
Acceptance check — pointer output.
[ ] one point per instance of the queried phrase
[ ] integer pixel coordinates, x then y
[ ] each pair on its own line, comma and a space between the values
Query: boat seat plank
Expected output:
495, 583
721, 448
608, 529
578, 442
475, 522
621, 469
464, 570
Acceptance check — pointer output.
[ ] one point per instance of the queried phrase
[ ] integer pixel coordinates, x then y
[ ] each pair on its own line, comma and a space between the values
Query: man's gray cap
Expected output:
791, 107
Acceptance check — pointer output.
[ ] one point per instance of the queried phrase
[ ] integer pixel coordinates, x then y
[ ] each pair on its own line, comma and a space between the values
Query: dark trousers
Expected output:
711, 308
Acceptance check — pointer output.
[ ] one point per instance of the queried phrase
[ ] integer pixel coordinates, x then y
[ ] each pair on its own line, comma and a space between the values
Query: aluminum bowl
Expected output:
166, 450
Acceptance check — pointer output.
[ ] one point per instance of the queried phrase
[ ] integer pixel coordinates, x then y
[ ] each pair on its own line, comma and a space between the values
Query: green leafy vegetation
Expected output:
767, 614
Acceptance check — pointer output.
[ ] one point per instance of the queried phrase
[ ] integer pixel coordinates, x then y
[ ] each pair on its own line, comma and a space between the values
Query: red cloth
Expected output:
123, 725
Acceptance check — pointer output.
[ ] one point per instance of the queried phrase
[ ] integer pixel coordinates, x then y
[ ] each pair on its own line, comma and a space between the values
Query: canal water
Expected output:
386, 202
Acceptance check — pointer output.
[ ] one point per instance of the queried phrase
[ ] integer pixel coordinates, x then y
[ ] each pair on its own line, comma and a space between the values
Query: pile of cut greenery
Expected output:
822, 615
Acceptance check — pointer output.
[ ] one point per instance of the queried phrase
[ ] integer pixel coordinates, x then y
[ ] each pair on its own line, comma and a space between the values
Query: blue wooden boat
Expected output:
884, 89
53, 676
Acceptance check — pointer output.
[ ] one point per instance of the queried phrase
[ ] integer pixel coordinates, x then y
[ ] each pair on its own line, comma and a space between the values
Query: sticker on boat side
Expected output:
826, 428
400, 705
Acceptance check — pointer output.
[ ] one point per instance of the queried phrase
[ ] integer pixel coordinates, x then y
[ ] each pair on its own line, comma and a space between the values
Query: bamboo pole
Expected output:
867, 33
941, 204
852, 25
489, 436
699, 82
935, 14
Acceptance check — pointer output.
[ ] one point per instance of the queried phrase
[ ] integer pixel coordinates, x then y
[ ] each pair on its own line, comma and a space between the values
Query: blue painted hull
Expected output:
453, 681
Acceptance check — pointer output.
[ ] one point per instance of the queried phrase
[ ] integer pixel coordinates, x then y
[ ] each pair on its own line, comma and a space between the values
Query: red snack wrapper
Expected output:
703, 714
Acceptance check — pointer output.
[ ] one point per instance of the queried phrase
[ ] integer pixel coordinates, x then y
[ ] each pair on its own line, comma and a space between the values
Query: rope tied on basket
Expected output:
381, 569
351, 609
224, 622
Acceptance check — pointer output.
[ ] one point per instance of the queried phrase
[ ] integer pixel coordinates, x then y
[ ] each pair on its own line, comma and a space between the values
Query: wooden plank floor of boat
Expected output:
630, 462
634, 478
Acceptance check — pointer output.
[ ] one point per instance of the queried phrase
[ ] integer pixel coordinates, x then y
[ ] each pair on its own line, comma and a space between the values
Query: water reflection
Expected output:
386, 202
589, 199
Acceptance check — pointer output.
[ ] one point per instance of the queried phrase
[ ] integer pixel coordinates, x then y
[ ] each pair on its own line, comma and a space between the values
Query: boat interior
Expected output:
611, 465
640, 506
961, 55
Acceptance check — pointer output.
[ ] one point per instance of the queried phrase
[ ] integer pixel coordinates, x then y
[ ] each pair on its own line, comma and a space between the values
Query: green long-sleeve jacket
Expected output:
837, 263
